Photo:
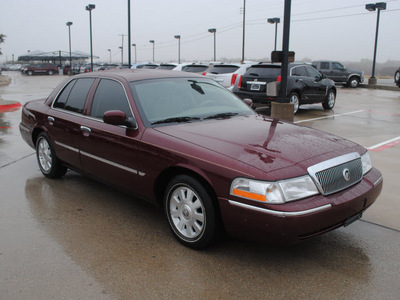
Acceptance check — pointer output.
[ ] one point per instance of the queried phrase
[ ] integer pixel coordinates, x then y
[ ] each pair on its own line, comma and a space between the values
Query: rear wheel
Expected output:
191, 212
30, 73
48, 162
397, 77
330, 100
50, 72
295, 99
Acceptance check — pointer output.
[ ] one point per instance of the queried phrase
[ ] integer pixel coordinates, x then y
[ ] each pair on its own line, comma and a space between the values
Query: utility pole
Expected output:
129, 33
244, 28
122, 48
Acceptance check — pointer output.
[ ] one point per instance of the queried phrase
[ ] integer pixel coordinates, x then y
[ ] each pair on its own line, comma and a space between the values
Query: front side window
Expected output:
110, 95
312, 72
73, 97
337, 66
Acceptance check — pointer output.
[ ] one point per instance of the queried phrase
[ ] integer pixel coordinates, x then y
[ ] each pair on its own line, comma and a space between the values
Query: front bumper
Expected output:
302, 219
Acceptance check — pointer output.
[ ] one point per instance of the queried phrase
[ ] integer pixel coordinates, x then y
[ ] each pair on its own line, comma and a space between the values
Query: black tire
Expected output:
295, 99
397, 78
330, 100
353, 82
50, 72
48, 163
191, 212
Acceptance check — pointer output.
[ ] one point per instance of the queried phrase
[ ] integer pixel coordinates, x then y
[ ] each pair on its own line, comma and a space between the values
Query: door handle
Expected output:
86, 130
51, 120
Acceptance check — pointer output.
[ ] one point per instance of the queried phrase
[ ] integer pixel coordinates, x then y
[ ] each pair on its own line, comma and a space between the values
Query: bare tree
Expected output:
2, 39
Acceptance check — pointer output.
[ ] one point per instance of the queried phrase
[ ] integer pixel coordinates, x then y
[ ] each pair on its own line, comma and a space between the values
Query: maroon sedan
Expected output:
186, 143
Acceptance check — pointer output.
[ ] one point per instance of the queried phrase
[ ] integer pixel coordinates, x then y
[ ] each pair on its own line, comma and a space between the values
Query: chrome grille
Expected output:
337, 174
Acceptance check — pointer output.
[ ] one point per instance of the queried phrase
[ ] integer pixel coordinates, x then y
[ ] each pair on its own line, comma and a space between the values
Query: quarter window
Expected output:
110, 95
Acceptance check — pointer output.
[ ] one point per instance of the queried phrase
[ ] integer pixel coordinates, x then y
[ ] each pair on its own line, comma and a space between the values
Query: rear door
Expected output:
317, 88
65, 117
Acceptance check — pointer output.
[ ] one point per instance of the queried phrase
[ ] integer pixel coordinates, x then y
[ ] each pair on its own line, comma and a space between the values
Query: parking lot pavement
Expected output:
75, 238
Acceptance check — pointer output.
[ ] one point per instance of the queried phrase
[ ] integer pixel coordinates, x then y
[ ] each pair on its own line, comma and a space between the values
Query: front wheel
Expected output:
191, 212
330, 100
353, 82
50, 72
48, 162
295, 99
397, 77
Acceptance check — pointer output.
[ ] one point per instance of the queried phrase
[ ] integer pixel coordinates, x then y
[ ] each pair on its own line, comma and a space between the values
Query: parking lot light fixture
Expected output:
214, 30
153, 42
69, 32
274, 21
178, 37
122, 55
372, 7
89, 8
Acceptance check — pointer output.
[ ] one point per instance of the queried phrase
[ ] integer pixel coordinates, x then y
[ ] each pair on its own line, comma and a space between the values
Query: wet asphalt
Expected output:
75, 238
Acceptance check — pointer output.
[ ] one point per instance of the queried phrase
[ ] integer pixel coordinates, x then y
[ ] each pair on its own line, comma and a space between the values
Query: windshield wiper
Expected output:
175, 120
222, 116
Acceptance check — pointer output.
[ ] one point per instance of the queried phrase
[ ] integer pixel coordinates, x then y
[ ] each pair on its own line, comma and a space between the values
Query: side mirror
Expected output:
118, 117
248, 101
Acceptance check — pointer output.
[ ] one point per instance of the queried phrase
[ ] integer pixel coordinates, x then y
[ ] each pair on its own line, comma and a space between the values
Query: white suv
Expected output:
226, 74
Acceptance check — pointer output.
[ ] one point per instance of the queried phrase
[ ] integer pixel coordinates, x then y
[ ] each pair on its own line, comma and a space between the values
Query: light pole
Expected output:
69, 31
274, 21
134, 45
109, 50
129, 34
153, 42
214, 30
372, 7
244, 28
122, 55
89, 8
179, 48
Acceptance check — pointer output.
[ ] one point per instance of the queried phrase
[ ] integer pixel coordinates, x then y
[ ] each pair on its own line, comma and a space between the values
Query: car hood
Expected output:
263, 143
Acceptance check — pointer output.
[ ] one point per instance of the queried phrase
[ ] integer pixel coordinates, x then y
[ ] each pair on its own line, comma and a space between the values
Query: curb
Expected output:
10, 106
380, 87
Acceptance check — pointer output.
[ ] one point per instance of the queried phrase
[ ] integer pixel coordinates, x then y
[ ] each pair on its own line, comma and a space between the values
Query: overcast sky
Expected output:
320, 29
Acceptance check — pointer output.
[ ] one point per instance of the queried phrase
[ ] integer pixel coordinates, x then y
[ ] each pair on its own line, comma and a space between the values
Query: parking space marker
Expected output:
385, 145
327, 117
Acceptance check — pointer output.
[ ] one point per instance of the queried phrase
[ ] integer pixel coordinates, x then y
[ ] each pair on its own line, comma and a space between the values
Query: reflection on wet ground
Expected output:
125, 245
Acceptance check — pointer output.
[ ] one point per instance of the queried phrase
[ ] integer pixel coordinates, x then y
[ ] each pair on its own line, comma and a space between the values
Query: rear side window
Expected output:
264, 71
299, 71
195, 68
110, 95
74, 95
324, 65
222, 69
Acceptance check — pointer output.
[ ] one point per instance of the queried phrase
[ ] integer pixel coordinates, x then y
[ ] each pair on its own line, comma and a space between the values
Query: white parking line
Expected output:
332, 116
385, 145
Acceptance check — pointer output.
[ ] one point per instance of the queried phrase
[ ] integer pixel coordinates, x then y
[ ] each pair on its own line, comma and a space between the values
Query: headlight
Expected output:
366, 163
274, 192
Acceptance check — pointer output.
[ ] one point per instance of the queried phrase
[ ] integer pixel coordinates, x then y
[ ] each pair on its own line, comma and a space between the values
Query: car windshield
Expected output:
176, 100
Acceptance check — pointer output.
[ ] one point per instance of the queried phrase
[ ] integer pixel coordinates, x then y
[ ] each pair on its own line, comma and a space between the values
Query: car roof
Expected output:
138, 74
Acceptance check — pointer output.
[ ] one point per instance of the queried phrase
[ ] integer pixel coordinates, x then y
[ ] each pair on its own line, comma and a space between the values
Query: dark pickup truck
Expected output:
338, 73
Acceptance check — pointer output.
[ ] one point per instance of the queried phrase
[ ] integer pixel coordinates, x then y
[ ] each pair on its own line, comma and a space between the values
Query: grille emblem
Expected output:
346, 174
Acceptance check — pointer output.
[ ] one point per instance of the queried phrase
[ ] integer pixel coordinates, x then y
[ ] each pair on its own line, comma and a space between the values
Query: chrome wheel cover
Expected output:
331, 99
354, 83
186, 212
44, 155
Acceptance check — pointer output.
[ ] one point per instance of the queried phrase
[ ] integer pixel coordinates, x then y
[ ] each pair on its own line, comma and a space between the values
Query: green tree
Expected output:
2, 39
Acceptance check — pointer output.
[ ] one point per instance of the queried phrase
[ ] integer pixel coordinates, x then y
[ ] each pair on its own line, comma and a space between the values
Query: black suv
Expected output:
397, 77
305, 85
